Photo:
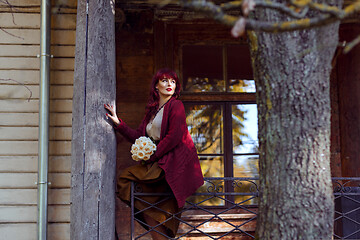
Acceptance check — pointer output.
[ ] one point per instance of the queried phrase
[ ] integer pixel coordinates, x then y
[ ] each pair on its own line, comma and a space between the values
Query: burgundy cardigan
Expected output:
176, 153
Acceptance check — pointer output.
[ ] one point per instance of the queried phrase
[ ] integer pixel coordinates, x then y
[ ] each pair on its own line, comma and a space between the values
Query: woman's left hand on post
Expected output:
112, 116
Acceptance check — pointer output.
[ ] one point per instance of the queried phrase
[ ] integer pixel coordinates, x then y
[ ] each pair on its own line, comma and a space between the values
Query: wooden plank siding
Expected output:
19, 107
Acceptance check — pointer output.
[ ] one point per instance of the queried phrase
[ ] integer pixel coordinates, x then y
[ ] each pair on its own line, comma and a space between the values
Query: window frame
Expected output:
226, 99
170, 34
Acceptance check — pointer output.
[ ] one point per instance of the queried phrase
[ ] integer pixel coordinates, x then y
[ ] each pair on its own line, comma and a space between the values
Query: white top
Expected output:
153, 129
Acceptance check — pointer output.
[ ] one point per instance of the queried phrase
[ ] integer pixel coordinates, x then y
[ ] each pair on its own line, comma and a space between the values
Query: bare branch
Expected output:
231, 5
20, 83
251, 24
272, 5
11, 34
6, 2
211, 9
284, 9
324, 8
352, 44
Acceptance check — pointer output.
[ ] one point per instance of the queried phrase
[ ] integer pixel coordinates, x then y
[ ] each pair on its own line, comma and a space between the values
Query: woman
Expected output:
175, 164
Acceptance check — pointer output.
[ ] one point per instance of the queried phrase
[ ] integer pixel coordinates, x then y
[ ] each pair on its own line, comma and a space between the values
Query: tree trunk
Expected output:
93, 139
292, 72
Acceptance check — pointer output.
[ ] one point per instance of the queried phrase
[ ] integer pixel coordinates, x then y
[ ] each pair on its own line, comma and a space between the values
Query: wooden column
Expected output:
349, 103
93, 138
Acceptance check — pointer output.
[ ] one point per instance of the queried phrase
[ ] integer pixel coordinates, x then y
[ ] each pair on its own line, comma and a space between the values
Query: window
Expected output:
216, 68
219, 98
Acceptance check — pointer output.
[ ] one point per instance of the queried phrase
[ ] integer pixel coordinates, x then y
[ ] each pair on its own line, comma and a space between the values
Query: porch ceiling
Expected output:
174, 5
176, 2
155, 3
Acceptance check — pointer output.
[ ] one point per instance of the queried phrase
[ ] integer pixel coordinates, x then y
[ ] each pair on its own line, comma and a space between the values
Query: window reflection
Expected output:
245, 140
246, 166
241, 85
224, 131
196, 84
205, 126
245, 128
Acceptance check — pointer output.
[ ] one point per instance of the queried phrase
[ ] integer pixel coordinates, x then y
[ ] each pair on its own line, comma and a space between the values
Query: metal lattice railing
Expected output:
347, 208
227, 208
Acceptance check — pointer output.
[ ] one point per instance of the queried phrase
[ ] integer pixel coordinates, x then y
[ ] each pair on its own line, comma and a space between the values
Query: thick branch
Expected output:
299, 24
273, 5
251, 24
211, 9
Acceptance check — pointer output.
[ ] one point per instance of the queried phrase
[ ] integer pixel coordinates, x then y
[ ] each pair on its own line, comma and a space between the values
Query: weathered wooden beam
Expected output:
93, 139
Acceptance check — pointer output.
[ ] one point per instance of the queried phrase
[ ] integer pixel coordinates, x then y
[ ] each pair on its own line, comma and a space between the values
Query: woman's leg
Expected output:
152, 222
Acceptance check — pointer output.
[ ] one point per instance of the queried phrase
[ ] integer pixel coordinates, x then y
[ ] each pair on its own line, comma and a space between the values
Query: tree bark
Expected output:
292, 72
93, 139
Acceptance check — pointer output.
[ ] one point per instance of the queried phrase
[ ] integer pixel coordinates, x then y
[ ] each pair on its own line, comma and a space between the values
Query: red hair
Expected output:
153, 103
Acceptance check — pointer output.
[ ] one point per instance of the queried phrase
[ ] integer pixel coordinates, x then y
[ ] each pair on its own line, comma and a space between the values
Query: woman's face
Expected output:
166, 86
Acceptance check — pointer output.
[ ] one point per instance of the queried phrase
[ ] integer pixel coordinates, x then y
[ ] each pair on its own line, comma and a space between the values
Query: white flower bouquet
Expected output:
142, 149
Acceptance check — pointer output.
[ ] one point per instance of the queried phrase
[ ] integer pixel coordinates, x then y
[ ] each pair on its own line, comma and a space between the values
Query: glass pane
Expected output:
212, 166
248, 190
239, 70
245, 128
205, 126
246, 166
203, 69
240, 85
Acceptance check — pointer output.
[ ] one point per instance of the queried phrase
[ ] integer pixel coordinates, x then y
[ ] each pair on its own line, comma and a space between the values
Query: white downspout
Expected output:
44, 119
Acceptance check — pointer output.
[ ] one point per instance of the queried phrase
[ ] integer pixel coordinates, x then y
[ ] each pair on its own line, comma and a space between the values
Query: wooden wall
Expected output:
348, 74
19, 73
135, 68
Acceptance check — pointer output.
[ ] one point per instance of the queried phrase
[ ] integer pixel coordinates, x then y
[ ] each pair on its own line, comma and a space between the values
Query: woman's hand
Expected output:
112, 114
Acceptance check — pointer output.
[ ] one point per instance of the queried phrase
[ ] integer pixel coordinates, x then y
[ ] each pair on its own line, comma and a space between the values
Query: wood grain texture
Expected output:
20, 92
32, 36
94, 144
29, 196
31, 133
33, 50
16, 20
32, 77
32, 119
19, 117
24, 148
28, 63
56, 231
27, 180
26, 214
25, 106
19, 164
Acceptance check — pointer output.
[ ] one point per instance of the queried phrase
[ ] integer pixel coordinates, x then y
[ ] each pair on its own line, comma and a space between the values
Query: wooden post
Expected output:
93, 139
349, 104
